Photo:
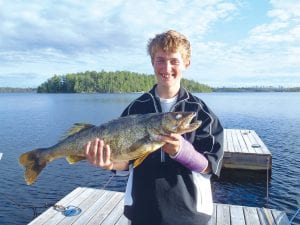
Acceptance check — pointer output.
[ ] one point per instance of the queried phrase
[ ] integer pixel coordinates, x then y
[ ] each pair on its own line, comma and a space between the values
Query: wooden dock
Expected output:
243, 149
105, 207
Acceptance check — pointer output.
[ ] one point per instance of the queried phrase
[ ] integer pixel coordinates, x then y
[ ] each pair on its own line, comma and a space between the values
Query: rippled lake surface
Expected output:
29, 121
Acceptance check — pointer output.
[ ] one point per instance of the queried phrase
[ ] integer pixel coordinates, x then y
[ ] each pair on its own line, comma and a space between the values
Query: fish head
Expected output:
179, 122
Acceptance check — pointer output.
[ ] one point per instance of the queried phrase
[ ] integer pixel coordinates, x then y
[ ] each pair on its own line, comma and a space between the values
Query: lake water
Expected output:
29, 121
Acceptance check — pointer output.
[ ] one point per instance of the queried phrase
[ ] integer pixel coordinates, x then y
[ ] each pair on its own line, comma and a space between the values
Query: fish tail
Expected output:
34, 162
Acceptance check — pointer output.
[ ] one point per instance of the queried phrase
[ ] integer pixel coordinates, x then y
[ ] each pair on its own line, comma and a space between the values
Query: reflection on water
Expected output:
29, 121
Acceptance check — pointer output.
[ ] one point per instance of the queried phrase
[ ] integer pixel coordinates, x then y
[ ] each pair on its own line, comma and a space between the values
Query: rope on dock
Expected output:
108, 181
268, 164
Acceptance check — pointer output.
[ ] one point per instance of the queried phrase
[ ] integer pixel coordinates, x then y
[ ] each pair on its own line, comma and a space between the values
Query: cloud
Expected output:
45, 30
68, 26
270, 52
285, 10
284, 26
46, 38
76, 26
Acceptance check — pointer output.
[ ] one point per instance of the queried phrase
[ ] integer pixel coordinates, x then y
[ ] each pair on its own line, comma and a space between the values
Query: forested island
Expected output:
125, 82
108, 82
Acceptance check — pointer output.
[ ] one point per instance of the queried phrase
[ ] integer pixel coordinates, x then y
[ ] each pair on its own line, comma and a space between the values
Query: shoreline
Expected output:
214, 90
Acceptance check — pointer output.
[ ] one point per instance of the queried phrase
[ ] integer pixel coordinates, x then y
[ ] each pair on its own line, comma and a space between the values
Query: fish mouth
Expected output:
186, 125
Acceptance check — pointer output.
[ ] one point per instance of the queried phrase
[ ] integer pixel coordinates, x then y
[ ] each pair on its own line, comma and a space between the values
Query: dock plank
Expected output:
122, 221
101, 215
223, 214
225, 142
108, 210
237, 215
229, 141
115, 215
241, 141
251, 216
236, 144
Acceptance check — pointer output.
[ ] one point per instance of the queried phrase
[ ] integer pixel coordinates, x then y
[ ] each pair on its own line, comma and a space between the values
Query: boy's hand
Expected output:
173, 143
98, 154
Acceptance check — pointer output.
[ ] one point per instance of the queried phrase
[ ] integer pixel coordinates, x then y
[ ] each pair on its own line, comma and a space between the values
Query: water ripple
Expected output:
31, 120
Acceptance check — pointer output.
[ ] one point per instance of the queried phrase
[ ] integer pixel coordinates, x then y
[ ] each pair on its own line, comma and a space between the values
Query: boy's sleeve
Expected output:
209, 141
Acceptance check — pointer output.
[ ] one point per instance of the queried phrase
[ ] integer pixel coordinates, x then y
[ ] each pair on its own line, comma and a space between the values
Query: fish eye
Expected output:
178, 116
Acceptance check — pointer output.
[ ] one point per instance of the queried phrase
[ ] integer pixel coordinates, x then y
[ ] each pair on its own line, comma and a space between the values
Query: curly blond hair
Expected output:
170, 41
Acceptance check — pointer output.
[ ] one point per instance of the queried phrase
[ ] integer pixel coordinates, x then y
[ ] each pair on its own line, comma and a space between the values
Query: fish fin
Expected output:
144, 145
139, 160
74, 158
77, 127
34, 162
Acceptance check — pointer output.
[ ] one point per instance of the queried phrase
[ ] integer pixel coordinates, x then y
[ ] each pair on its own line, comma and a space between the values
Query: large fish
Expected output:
132, 137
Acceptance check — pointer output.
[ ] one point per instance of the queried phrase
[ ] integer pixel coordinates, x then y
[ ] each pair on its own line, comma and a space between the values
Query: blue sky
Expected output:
234, 43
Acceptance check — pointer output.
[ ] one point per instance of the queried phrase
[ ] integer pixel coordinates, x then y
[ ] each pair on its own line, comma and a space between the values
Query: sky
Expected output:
235, 43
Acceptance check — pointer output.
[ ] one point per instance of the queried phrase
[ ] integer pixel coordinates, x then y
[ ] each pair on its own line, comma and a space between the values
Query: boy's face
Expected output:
168, 68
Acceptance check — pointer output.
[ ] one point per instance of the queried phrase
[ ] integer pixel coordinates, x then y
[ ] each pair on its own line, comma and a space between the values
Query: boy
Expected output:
172, 185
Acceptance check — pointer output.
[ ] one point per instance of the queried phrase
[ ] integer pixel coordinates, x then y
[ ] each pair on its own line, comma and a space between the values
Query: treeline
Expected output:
108, 82
16, 90
257, 89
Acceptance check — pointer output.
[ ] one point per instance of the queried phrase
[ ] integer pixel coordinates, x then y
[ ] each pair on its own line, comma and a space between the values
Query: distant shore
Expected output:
221, 89
257, 89
17, 90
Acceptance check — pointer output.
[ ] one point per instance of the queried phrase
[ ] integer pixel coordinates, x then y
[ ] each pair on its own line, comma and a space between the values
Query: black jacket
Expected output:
163, 190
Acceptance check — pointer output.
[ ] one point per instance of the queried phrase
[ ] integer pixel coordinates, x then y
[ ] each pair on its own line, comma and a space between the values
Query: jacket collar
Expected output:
182, 95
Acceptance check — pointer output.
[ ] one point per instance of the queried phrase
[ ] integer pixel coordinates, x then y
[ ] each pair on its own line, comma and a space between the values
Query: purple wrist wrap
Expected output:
190, 158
